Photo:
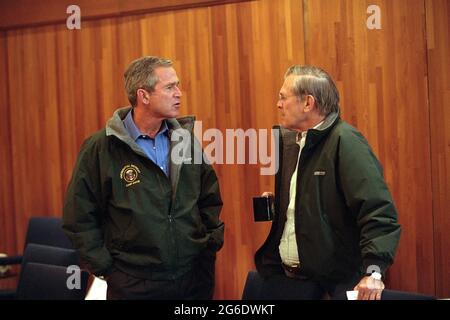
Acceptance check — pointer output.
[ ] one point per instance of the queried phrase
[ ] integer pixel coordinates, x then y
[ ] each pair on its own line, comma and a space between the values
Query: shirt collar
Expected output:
134, 131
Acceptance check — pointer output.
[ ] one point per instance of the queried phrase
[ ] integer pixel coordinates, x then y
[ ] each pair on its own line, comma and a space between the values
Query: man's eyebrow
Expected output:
173, 83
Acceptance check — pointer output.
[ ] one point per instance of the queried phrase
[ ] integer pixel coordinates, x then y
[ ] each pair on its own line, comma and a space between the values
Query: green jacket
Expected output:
345, 218
121, 209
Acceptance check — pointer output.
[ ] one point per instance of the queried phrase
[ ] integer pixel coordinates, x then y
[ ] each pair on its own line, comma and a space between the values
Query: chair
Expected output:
48, 282
42, 230
50, 255
256, 289
404, 295
42, 254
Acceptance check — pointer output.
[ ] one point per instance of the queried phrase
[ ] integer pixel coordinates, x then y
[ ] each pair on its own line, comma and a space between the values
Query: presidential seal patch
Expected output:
130, 174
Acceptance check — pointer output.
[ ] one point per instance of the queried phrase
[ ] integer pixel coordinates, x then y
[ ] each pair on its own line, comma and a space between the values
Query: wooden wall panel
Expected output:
26, 13
7, 218
381, 75
63, 85
438, 43
34, 122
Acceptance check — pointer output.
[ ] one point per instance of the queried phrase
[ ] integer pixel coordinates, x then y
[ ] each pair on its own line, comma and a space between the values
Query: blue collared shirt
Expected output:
156, 149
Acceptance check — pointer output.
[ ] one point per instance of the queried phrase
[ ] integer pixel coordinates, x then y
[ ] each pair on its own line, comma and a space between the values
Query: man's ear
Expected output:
143, 96
310, 103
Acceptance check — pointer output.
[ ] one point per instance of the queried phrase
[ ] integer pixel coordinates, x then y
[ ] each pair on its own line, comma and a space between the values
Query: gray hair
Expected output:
316, 82
140, 75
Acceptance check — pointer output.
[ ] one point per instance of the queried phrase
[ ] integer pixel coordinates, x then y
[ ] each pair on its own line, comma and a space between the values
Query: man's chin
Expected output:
284, 124
174, 114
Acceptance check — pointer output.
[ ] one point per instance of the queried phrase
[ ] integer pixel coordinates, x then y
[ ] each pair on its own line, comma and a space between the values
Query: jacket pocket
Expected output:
200, 228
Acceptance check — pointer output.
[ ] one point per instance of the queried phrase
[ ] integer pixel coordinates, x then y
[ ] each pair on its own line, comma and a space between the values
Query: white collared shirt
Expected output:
288, 244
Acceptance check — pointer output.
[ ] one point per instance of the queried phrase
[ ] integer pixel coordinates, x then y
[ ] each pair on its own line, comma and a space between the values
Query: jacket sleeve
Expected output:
83, 210
369, 200
210, 206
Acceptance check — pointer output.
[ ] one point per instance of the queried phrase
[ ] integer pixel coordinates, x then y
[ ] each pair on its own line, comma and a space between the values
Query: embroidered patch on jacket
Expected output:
130, 174
319, 173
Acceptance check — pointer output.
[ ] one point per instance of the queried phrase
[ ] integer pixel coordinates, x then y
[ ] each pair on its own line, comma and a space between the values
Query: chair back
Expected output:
50, 255
48, 282
47, 231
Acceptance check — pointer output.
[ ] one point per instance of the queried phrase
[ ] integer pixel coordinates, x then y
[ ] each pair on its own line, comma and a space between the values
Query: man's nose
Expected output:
178, 92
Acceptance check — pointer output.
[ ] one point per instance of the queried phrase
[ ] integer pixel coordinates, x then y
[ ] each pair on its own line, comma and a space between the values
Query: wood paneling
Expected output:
438, 41
63, 85
26, 13
7, 179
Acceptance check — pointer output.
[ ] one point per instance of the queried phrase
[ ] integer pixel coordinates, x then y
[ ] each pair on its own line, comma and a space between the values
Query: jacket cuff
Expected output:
103, 273
372, 264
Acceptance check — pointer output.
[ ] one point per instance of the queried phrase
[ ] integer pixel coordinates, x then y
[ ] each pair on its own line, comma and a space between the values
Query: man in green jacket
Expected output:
335, 227
142, 214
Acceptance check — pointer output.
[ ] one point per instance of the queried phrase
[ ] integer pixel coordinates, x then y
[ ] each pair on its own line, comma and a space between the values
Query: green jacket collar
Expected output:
313, 137
316, 135
115, 127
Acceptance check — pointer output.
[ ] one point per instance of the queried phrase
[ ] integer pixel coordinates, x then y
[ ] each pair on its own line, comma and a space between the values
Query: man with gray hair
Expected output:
146, 223
335, 227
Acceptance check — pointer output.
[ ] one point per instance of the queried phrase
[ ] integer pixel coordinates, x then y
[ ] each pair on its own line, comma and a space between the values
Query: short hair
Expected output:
140, 74
316, 82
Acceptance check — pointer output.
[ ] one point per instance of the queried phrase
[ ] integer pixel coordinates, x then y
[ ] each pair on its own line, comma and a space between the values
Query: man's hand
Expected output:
369, 288
267, 194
